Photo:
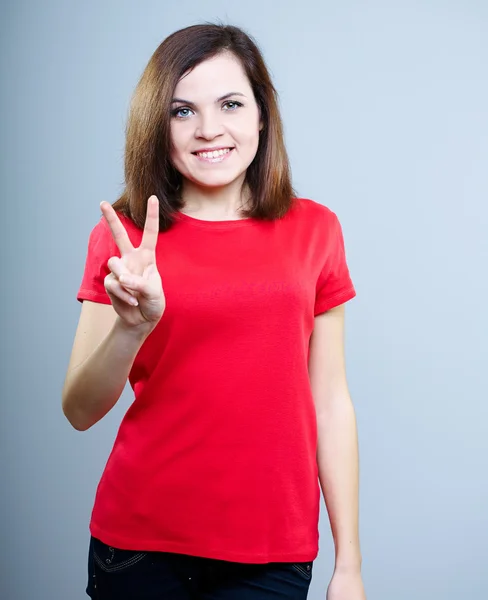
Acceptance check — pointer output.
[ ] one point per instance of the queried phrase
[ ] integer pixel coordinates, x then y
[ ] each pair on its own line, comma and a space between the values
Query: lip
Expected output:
217, 159
213, 149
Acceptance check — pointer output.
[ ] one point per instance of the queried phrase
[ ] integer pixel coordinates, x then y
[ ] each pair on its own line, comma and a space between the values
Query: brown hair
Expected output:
148, 167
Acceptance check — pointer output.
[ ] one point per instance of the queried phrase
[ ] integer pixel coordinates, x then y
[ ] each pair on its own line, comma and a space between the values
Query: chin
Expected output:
214, 181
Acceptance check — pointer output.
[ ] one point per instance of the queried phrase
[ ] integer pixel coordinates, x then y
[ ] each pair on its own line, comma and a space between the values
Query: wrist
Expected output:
349, 564
348, 558
136, 333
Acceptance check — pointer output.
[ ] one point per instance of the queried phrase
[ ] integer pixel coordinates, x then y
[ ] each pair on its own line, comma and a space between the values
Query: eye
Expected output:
233, 104
181, 113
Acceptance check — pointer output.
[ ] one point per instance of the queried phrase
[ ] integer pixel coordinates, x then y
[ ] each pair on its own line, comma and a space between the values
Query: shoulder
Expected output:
314, 211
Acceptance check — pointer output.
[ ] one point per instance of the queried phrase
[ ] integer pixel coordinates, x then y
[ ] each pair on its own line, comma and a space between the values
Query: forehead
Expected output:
212, 78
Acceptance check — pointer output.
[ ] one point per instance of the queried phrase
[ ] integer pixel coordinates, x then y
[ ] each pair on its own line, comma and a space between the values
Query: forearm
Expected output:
338, 464
92, 388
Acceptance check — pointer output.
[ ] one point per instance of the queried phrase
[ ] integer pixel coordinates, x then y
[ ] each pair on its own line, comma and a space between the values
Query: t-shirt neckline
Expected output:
205, 224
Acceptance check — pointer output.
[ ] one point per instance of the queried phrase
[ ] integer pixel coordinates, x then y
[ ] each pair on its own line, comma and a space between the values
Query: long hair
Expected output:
148, 167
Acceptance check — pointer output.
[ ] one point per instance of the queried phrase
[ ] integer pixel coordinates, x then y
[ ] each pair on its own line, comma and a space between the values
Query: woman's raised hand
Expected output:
134, 284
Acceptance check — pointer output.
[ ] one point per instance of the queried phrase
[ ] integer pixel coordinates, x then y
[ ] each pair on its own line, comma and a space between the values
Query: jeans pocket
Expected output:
111, 559
304, 568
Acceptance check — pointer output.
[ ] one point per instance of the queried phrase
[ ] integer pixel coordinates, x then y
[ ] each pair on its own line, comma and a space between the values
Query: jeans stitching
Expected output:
301, 570
127, 563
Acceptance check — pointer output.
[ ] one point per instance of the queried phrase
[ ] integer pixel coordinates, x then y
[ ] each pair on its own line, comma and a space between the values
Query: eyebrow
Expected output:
218, 99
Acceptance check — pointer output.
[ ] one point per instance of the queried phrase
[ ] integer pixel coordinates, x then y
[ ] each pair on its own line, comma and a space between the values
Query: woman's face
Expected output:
215, 123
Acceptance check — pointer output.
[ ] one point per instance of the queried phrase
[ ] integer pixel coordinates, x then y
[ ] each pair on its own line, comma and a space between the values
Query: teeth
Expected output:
214, 154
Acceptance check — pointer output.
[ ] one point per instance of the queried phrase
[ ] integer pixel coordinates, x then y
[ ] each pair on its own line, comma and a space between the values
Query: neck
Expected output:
219, 202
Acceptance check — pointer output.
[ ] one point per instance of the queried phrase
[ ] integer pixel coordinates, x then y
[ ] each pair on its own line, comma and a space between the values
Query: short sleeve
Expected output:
334, 285
101, 247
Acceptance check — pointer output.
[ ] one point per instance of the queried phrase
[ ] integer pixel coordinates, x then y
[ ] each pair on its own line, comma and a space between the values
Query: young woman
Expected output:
220, 296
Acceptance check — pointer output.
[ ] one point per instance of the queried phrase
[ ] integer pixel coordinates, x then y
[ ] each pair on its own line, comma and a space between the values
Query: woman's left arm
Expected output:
337, 453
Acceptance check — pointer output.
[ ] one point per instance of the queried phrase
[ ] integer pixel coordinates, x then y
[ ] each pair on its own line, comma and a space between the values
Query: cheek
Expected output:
178, 145
248, 133
254, 142
179, 137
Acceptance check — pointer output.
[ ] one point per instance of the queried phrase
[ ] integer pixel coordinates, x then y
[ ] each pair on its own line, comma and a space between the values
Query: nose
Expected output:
209, 126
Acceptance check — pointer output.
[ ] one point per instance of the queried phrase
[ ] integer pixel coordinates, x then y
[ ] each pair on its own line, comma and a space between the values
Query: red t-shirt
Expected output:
216, 456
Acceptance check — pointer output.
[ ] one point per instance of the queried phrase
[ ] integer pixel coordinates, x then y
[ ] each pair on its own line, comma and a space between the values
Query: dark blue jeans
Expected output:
115, 574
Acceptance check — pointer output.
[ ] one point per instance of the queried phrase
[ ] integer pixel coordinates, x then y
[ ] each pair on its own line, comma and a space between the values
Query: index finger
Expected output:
118, 230
151, 226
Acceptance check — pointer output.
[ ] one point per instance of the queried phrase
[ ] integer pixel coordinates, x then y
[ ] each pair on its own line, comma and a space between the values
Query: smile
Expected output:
215, 156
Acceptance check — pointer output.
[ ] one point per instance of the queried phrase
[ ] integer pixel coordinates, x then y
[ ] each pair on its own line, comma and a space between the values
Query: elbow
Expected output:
78, 426
75, 421
73, 415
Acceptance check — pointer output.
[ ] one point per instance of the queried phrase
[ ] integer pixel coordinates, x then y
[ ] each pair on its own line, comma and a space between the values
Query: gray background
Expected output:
385, 107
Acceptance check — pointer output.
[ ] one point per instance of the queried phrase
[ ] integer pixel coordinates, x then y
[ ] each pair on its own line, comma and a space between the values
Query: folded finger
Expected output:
139, 285
115, 288
117, 267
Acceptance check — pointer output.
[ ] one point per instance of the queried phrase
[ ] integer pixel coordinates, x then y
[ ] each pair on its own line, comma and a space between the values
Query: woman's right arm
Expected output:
103, 352
109, 336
